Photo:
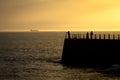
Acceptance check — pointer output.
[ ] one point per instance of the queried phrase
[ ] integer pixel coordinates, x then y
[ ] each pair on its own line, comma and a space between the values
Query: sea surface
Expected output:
35, 56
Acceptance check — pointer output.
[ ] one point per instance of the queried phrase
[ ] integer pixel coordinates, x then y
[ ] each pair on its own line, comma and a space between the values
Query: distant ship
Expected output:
34, 30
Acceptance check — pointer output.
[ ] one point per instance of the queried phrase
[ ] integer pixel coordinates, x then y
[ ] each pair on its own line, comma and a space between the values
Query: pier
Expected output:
91, 50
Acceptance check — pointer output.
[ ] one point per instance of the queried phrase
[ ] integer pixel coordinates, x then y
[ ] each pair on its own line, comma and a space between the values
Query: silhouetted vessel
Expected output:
91, 50
34, 30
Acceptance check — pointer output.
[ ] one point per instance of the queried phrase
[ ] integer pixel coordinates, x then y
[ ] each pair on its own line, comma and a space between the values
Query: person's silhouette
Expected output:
68, 34
91, 34
87, 35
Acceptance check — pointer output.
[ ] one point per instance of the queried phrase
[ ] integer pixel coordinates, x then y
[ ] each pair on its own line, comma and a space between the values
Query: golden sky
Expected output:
60, 15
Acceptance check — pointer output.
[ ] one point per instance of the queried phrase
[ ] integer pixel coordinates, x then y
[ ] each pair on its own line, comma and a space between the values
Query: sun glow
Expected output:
55, 15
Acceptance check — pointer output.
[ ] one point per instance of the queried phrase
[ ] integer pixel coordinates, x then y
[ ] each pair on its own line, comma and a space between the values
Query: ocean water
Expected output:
33, 56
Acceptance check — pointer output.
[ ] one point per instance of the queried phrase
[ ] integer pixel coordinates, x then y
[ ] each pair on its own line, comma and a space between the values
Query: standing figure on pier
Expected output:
91, 35
87, 35
68, 34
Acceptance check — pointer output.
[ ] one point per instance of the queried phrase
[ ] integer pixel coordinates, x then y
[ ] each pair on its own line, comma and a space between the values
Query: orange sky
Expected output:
60, 15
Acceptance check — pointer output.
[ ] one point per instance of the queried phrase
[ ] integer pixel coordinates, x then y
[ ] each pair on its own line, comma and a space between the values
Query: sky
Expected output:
59, 15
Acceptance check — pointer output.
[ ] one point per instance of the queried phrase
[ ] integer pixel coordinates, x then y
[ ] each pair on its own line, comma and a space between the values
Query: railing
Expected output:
93, 36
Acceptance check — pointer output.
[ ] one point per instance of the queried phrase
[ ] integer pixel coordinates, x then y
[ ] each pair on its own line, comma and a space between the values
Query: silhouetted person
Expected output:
68, 34
87, 35
91, 34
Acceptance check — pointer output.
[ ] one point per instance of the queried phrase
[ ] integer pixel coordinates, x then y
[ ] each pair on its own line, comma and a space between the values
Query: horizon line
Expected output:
60, 30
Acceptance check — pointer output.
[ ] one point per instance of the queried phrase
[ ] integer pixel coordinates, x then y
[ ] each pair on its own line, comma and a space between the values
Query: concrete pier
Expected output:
91, 51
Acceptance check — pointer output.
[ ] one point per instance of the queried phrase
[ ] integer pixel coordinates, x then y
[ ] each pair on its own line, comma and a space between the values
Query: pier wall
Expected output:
90, 52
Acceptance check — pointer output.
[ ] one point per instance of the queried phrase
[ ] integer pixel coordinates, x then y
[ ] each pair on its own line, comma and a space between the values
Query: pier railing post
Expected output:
83, 36
118, 36
87, 35
90, 35
99, 36
95, 36
113, 36
108, 36
104, 36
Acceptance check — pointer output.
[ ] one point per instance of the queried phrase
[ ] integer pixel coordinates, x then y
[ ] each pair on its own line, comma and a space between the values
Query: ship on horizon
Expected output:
34, 30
